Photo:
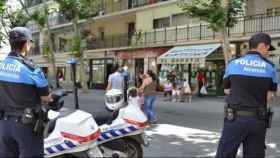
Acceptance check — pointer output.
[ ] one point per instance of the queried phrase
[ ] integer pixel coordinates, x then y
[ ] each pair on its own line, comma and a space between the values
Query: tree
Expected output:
2, 29
75, 10
9, 19
40, 17
220, 14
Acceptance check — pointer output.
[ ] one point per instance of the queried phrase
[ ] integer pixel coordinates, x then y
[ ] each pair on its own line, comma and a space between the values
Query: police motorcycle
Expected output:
122, 126
69, 132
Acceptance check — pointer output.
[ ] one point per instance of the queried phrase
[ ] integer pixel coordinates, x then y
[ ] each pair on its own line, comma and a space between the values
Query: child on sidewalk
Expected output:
175, 92
186, 91
168, 91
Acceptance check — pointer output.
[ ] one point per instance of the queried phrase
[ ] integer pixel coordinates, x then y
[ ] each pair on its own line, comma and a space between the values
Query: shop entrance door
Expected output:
108, 72
139, 69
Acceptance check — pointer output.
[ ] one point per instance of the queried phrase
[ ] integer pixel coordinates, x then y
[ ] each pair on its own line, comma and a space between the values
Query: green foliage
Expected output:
46, 48
213, 12
17, 18
76, 46
82, 8
39, 17
74, 10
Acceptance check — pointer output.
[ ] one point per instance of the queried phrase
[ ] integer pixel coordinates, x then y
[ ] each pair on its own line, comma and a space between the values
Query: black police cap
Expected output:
20, 34
261, 38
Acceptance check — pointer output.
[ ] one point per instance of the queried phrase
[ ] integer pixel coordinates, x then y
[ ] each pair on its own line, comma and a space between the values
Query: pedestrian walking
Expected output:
149, 90
115, 80
23, 87
249, 82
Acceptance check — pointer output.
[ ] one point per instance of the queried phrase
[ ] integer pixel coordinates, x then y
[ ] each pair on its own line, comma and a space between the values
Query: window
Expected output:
269, 12
161, 23
101, 33
180, 19
277, 11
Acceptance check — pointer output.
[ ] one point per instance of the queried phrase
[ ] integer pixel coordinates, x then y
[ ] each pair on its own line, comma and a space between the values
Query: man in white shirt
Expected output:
115, 80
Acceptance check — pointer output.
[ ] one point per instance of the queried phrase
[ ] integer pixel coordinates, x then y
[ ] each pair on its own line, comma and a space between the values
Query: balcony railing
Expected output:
107, 7
245, 26
111, 6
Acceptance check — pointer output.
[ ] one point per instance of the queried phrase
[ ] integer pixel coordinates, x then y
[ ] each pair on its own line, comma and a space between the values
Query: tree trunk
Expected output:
51, 51
81, 57
52, 58
225, 35
226, 46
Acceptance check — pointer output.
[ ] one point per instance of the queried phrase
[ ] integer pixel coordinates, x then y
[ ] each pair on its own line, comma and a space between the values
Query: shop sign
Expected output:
94, 55
141, 53
182, 61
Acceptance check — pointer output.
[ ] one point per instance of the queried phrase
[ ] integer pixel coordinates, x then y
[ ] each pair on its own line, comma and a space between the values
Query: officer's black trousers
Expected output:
18, 140
246, 130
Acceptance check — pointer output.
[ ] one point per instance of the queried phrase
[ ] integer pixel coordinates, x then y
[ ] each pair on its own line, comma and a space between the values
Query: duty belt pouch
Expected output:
230, 113
28, 117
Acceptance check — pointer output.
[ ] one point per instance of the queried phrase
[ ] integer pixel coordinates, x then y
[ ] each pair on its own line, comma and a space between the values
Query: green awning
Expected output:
195, 54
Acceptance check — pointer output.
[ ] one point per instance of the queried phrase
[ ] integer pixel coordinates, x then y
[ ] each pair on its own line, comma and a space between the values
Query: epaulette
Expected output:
268, 61
30, 64
231, 60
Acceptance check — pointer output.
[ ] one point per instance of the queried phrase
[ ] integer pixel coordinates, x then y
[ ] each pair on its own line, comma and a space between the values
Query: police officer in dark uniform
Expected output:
248, 81
23, 88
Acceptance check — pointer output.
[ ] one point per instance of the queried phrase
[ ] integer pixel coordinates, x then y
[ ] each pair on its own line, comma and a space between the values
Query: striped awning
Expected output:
188, 54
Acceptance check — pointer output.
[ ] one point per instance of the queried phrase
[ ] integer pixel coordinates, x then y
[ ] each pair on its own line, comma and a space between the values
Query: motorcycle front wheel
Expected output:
133, 148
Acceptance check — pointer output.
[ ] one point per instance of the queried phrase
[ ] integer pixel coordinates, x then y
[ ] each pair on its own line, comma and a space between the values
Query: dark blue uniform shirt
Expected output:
21, 84
249, 78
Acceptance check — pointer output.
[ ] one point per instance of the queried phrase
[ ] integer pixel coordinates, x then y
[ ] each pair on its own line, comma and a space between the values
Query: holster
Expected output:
229, 113
35, 118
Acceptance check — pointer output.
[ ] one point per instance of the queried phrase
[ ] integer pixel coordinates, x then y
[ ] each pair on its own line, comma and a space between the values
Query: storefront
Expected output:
99, 66
139, 61
188, 60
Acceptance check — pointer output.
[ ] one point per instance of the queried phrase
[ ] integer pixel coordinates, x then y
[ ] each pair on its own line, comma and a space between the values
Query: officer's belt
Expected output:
247, 108
246, 113
5, 115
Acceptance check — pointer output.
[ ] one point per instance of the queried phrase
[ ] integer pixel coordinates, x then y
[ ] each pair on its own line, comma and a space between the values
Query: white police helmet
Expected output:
114, 99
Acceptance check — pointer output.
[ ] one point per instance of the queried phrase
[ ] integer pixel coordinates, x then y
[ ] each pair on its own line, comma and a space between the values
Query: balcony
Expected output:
106, 7
112, 6
246, 26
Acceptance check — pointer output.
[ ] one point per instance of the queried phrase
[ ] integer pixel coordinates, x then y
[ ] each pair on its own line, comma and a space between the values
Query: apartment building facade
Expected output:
136, 33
